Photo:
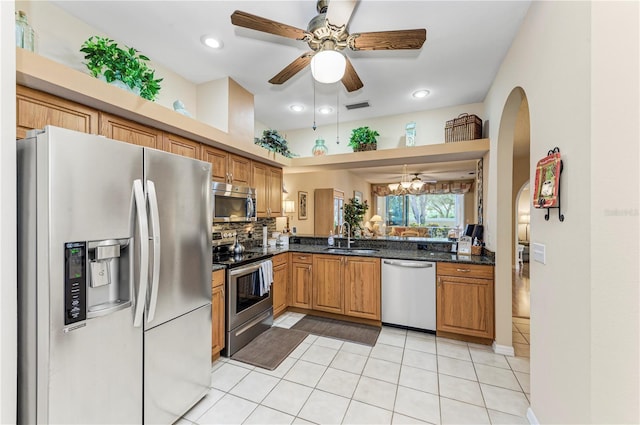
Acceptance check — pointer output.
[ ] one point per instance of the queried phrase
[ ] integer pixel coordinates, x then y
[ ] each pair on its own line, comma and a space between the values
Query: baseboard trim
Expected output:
505, 350
531, 417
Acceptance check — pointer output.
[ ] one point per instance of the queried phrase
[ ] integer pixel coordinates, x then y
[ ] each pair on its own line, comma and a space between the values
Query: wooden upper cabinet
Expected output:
180, 146
218, 159
118, 128
327, 211
35, 110
268, 183
239, 170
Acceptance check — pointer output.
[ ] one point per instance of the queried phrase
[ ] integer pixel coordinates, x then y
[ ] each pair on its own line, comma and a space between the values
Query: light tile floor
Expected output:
407, 378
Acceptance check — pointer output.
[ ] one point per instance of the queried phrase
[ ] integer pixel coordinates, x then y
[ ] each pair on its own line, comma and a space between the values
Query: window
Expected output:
437, 213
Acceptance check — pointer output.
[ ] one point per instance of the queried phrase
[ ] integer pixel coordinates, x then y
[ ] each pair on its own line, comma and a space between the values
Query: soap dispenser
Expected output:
330, 240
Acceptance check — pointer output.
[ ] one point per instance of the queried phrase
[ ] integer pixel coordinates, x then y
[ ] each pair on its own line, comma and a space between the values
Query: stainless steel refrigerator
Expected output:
114, 275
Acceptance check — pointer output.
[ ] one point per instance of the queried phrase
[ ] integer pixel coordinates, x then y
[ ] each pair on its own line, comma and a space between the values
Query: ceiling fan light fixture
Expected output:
327, 66
211, 41
394, 186
419, 94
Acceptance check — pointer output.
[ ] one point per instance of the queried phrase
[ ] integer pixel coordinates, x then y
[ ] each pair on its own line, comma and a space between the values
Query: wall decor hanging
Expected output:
547, 183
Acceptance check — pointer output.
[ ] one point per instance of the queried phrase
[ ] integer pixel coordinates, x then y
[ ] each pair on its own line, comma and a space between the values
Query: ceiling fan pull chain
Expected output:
313, 81
337, 114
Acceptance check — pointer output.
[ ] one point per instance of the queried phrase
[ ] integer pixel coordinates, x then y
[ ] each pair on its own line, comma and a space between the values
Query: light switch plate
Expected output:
540, 253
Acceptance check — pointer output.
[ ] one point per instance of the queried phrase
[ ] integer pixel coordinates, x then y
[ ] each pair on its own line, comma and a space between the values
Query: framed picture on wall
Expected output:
357, 195
302, 205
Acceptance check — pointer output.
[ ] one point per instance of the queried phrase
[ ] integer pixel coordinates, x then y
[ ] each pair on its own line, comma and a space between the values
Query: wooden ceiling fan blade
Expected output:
350, 79
339, 12
390, 40
292, 69
247, 20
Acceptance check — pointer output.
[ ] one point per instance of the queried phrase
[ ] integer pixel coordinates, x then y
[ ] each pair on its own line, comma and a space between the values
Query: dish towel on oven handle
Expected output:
266, 274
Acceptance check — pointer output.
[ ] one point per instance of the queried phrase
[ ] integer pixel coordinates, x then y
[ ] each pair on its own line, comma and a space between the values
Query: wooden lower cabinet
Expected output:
36, 109
118, 128
280, 283
347, 285
301, 280
217, 311
465, 300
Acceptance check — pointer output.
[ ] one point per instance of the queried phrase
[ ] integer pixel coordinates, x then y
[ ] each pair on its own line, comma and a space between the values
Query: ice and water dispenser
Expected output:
97, 279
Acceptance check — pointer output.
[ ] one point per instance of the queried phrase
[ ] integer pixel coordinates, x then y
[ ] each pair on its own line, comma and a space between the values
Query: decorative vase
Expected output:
319, 149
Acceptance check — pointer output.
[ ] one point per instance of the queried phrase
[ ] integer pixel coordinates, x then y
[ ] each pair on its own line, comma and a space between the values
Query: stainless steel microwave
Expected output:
233, 203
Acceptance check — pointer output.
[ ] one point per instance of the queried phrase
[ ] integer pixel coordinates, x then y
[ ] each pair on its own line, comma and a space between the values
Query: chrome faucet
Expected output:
348, 234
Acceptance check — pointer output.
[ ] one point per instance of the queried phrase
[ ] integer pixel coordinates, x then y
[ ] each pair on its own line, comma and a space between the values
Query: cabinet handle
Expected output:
302, 258
463, 270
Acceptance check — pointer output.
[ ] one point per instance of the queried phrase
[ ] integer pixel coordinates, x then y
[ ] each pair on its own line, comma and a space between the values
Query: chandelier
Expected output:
406, 184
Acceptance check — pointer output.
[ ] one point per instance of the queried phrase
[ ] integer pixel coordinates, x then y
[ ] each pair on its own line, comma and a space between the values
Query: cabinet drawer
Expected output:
301, 258
465, 270
279, 259
217, 278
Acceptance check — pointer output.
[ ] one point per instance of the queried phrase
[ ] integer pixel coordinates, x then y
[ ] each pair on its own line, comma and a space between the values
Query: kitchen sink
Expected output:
351, 250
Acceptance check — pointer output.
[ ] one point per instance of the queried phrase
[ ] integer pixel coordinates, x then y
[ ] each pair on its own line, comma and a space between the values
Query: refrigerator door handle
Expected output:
143, 226
155, 227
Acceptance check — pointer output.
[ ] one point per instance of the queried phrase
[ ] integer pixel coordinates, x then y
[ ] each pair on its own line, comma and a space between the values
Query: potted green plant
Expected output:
363, 139
104, 58
354, 212
273, 141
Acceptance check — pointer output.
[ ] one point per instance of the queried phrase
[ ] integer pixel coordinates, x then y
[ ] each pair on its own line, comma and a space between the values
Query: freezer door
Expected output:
89, 371
177, 366
182, 188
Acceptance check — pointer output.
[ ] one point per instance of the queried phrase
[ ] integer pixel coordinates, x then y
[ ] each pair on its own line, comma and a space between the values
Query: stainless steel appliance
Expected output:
249, 312
114, 277
233, 203
409, 294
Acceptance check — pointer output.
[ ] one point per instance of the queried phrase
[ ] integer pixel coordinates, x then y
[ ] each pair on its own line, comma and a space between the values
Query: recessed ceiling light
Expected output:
421, 93
297, 108
210, 41
325, 110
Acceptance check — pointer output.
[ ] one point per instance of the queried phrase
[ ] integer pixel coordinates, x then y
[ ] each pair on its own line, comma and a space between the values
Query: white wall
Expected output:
8, 295
429, 130
584, 309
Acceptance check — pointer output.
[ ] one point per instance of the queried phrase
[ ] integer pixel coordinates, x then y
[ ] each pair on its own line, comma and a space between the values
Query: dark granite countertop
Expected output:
401, 254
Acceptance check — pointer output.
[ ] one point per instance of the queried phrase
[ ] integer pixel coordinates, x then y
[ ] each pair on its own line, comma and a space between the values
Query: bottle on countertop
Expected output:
330, 240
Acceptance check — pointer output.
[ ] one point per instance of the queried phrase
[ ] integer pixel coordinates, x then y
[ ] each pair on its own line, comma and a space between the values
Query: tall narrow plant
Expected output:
354, 212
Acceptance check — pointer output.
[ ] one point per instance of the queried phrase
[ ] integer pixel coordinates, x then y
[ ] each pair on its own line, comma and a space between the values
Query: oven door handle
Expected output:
245, 269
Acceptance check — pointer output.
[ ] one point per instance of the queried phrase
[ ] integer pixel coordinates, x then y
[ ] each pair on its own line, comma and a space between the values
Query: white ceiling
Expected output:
466, 42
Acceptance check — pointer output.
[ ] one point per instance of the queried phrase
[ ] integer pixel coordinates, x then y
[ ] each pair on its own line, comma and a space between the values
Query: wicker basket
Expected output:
476, 250
465, 127
367, 147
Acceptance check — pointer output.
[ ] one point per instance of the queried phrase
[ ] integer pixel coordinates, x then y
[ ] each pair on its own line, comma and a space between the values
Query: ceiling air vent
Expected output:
358, 105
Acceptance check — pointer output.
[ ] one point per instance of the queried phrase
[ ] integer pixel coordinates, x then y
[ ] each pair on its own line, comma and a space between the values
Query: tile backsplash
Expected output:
249, 234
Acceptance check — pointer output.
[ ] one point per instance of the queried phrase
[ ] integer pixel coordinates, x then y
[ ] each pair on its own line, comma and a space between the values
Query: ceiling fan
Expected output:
327, 31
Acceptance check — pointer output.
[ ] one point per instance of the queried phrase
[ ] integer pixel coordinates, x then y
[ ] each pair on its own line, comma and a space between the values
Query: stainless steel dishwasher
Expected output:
409, 294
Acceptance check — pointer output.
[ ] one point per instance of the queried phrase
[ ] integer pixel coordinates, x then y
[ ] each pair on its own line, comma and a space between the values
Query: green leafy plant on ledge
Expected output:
273, 141
354, 212
363, 139
104, 58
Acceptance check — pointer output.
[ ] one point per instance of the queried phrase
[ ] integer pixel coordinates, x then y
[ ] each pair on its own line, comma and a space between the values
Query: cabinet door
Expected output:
35, 110
279, 288
218, 159
275, 191
124, 130
301, 285
239, 170
180, 146
362, 287
217, 319
327, 283
465, 306
260, 176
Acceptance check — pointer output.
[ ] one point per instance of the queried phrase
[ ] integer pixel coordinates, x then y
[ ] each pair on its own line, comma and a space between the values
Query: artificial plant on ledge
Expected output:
273, 141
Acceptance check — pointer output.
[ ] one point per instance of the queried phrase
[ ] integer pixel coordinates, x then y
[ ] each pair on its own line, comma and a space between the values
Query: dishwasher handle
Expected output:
412, 264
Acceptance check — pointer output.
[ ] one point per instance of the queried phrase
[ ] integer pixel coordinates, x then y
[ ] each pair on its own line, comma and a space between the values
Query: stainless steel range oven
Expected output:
249, 311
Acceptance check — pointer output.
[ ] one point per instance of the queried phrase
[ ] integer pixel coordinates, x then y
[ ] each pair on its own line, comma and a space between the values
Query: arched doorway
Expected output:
513, 170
